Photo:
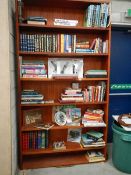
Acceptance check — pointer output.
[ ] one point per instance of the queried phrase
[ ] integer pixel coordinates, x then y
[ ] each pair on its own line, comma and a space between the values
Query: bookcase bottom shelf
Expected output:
32, 162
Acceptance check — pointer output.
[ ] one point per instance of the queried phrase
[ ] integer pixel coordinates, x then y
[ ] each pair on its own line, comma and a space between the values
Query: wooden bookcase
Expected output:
52, 88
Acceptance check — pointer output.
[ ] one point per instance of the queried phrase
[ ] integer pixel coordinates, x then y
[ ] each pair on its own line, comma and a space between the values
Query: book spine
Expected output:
46, 138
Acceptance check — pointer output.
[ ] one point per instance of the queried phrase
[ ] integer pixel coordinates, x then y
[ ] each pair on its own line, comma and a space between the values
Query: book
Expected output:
74, 135
95, 156
95, 134
65, 22
36, 22
44, 126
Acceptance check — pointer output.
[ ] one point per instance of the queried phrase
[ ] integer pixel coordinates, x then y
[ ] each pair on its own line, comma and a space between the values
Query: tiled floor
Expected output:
103, 168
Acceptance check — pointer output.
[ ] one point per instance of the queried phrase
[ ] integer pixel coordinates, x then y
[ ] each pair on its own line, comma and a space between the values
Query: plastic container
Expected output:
121, 149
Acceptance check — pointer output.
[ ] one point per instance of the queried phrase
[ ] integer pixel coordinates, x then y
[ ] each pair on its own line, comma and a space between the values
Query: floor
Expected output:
103, 168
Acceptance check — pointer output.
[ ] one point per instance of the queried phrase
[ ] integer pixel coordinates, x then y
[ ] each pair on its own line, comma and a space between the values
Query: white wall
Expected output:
119, 7
8, 154
5, 118
12, 57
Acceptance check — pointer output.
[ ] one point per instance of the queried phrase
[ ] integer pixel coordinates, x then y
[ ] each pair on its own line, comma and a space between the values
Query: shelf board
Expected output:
74, 28
63, 79
51, 54
70, 147
60, 104
56, 127
55, 160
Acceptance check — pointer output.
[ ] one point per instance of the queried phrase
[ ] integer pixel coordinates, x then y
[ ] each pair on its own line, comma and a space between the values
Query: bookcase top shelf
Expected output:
58, 2
58, 28
51, 54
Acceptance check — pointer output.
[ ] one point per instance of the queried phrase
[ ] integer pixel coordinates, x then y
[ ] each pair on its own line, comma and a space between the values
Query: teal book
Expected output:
95, 134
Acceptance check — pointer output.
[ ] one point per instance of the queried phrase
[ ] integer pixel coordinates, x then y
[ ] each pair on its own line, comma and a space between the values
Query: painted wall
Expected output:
119, 7
8, 164
12, 58
5, 95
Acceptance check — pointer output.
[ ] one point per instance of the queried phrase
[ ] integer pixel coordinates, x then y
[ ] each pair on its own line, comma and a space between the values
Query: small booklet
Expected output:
46, 126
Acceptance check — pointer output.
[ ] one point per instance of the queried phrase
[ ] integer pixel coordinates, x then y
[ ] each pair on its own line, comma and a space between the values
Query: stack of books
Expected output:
33, 69
93, 118
72, 95
31, 97
95, 156
92, 139
83, 47
95, 73
36, 20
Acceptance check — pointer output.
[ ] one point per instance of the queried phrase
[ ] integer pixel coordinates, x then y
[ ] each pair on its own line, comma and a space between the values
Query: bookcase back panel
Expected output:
55, 12
98, 63
58, 135
63, 159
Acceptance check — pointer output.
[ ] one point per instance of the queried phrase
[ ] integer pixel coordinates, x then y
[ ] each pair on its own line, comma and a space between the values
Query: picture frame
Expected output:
65, 67
32, 117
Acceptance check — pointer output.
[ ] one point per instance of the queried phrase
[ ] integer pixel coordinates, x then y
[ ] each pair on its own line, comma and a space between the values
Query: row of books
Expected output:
99, 46
61, 43
34, 140
93, 117
31, 97
97, 15
95, 93
89, 94
33, 69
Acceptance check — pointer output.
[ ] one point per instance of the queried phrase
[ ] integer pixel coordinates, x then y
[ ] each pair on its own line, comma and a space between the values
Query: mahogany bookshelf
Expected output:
51, 88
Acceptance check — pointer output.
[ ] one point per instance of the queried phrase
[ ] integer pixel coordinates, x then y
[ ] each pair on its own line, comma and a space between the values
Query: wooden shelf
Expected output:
69, 28
57, 160
70, 147
56, 127
51, 54
61, 104
63, 79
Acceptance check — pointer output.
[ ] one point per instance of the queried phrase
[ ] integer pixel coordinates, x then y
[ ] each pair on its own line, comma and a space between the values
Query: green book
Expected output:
95, 134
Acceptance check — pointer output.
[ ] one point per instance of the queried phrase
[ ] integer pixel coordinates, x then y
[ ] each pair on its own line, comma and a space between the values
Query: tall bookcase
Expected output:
51, 88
